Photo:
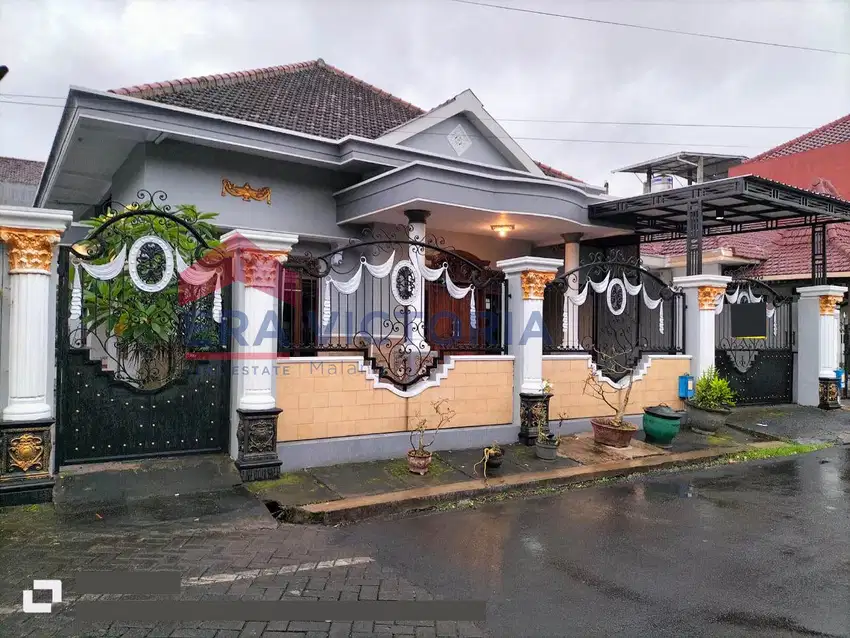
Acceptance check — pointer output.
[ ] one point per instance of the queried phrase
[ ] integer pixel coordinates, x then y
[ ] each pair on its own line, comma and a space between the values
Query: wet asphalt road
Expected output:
757, 549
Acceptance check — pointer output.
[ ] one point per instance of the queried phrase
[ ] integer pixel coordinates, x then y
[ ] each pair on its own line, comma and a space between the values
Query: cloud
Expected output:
521, 66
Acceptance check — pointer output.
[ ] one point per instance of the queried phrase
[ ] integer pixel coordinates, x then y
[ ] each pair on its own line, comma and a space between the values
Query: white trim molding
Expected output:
34, 218
640, 370
440, 373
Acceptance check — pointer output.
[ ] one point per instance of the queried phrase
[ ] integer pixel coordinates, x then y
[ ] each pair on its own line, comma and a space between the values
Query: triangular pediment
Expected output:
461, 127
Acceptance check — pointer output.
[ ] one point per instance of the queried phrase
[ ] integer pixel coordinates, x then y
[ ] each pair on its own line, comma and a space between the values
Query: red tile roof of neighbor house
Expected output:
20, 171
785, 252
312, 97
836, 132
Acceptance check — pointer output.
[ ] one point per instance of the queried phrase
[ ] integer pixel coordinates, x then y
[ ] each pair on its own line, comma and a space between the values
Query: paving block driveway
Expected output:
286, 562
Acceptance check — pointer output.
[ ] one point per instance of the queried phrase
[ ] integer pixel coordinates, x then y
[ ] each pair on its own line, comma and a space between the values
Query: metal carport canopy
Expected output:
728, 206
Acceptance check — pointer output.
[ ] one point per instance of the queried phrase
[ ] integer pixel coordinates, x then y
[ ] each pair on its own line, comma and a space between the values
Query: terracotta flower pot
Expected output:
418, 463
605, 433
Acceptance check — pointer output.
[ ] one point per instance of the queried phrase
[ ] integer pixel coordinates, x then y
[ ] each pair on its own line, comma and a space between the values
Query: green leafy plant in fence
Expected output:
713, 392
145, 326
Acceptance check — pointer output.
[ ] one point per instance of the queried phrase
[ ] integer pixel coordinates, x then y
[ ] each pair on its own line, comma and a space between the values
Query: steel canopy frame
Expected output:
734, 205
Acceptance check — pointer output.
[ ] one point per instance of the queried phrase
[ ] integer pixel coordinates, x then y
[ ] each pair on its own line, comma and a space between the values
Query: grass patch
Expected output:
787, 449
399, 468
289, 478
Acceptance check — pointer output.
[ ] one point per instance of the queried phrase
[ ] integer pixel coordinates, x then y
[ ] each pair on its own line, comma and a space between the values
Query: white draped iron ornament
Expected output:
195, 275
607, 286
379, 271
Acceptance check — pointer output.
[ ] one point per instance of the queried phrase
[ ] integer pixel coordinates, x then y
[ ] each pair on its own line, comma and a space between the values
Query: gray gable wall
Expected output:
435, 140
302, 199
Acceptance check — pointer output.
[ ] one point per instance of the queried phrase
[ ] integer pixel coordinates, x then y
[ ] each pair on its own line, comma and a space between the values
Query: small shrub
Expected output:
712, 392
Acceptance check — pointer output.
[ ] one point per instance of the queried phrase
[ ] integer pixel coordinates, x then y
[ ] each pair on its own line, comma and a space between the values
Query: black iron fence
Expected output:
403, 304
616, 308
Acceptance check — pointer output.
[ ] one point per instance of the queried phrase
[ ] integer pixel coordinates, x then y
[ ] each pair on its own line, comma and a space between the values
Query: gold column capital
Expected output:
829, 303
534, 283
260, 267
707, 296
30, 250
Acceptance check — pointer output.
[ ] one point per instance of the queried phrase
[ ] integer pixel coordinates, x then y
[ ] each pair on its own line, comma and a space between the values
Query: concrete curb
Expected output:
362, 507
757, 433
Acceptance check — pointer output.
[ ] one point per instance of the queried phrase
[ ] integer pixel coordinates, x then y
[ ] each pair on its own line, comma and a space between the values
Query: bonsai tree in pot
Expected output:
547, 442
419, 458
711, 404
613, 431
492, 459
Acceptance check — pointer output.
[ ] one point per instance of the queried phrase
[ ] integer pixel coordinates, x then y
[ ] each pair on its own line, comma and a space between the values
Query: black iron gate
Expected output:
759, 370
142, 333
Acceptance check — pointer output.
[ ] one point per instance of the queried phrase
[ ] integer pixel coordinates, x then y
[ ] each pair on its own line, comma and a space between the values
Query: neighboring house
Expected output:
818, 161
308, 150
19, 181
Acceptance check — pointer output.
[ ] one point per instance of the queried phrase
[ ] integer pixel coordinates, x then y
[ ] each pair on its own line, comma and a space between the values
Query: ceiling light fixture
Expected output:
502, 229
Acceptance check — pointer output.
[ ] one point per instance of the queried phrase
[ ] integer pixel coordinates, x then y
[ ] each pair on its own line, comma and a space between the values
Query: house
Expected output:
818, 161
18, 181
404, 231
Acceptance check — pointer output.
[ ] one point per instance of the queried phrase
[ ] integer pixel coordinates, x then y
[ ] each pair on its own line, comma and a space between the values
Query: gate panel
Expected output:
142, 334
760, 371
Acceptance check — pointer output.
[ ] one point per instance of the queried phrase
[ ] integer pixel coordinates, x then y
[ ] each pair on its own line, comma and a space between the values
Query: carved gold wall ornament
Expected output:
534, 283
261, 268
707, 296
246, 192
828, 303
29, 250
26, 452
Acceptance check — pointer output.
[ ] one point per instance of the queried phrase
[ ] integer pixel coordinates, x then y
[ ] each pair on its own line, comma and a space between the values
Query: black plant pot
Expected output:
533, 409
494, 461
704, 420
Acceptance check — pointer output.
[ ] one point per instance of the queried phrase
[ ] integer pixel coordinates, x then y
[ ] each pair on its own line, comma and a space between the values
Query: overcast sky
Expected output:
522, 67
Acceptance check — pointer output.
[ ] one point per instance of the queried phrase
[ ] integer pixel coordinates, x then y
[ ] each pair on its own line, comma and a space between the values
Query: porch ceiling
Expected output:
540, 230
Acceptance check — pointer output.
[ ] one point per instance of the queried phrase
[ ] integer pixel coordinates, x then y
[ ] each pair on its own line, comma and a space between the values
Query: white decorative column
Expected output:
571, 310
817, 349
258, 258
26, 430
701, 295
527, 280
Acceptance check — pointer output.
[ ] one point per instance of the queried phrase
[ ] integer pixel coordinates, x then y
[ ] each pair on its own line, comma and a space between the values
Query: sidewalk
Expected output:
797, 423
349, 492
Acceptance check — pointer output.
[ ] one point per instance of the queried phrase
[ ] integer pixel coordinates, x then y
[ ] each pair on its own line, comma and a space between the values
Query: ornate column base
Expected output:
532, 408
256, 435
828, 393
25, 477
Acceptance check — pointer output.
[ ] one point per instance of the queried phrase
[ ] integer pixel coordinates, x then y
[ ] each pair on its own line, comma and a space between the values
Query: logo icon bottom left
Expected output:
55, 588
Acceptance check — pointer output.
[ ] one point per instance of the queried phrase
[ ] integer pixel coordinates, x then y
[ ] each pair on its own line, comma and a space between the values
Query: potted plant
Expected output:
711, 404
419, 458
613, 431
534, 407
547, 442
492, 459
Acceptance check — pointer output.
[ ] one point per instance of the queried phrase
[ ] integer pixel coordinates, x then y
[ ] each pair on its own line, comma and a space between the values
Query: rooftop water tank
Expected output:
661, 183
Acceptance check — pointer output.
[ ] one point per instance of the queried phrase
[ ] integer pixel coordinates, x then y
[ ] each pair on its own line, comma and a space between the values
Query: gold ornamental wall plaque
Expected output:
246, 192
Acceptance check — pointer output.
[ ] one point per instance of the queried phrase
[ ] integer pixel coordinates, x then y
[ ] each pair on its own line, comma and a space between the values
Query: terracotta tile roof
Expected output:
782, 252
308, 97
835, 132
554, 172
20, 171
747, 245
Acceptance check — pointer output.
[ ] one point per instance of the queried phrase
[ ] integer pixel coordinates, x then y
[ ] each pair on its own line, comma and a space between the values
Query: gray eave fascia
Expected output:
379, 193
179, 122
